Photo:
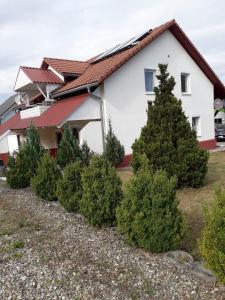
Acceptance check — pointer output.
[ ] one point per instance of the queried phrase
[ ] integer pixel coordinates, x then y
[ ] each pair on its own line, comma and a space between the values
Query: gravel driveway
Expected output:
46, 253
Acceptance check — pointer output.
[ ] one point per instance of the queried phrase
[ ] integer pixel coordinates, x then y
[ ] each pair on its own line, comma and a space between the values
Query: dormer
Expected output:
33, 81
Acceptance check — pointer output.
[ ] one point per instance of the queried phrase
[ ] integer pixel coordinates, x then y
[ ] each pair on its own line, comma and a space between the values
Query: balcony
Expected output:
36, 111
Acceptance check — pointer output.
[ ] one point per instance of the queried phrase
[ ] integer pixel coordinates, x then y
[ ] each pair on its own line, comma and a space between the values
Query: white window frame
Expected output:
199, 129
153, 80
188, 83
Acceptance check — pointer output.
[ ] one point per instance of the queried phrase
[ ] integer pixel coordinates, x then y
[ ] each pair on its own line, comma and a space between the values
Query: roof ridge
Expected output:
30, 67
80, 61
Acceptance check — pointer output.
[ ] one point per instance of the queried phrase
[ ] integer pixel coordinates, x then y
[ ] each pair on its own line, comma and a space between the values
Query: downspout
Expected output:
99, 99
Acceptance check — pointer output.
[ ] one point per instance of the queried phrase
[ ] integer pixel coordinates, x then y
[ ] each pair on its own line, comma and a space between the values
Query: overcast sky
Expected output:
79, 29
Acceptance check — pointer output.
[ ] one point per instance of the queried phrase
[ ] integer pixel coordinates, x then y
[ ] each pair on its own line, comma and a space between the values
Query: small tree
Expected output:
168, 140
148, 215
18, 172
114, 151
68, 150
23, 164
33, 148
69, 187
44, 183
101, 192
212, 243
86, 154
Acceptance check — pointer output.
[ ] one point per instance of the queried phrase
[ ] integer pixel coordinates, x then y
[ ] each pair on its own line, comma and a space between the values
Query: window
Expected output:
218, 121
196, 125
76, 133
58, 138
18, 140
185, 83
149, 80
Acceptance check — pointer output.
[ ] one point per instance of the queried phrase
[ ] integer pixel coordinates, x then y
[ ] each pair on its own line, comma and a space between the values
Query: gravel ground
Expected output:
46, 253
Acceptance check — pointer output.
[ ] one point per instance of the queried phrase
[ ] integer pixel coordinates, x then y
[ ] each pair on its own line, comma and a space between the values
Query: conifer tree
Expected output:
101, 192
114, 151
33, 148
212, 242
23, 164
44, 183
68, 150
86, 154
168, 140
148, 215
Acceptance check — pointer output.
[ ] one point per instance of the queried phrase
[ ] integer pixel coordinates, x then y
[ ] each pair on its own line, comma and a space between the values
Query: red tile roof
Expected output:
65, 65
52, 117
41, 76
97, 72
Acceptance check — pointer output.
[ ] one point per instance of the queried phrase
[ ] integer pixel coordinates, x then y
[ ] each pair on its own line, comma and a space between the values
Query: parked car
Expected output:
220, 132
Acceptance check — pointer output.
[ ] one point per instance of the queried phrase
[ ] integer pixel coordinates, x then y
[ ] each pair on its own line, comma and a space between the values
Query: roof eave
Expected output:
79, 88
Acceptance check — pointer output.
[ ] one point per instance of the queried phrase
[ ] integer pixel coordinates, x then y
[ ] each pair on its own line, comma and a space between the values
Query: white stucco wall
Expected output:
48, 137
124, 91
89, 110
21, 80
4, 148
8, 142
92, 134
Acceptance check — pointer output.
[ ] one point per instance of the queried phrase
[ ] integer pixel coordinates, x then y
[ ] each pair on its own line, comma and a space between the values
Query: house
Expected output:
7, 109
116, 84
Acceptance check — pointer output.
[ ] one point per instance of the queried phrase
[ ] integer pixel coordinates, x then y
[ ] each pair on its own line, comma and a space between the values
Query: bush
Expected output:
69, 187
114, 151
33, 148
101, 192
68, 150
23, 164
18, 172
44, 183
212, 243
86, 154
148, 215
168, 140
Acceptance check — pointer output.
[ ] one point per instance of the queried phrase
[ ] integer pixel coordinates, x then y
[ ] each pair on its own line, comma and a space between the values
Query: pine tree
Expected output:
68, 150
114, 151
168, 140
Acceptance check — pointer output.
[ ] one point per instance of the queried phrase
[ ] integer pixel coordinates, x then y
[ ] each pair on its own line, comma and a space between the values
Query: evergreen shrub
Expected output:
69, 187
212, 242
44, 183
101, 192
148, 215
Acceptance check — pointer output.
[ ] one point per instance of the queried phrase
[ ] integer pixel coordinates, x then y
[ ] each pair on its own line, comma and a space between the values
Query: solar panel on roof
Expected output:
124, 45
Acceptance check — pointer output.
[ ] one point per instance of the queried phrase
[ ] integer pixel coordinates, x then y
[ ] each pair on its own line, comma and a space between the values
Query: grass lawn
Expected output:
192, 201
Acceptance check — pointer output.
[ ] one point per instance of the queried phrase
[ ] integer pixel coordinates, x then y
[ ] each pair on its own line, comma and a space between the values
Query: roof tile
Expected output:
52, 117
65, 65
37, 75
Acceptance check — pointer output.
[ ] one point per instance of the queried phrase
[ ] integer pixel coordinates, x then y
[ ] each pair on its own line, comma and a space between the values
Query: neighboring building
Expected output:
219, 117
116, 84
7, 109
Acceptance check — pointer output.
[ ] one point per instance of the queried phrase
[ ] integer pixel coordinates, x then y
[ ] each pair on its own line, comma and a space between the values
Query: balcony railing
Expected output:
33, 111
